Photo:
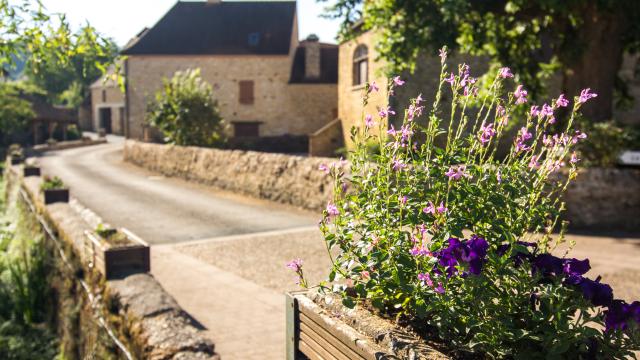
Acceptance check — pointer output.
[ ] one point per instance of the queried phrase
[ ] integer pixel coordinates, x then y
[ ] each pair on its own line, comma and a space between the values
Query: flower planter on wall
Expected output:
116, 260
56, 195
332, 332
31, 171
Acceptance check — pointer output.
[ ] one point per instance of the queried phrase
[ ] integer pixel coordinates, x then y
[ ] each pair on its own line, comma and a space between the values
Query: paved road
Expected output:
158, 209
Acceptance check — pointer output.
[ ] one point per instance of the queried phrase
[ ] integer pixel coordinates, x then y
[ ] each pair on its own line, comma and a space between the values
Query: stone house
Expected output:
268, 83
107, 104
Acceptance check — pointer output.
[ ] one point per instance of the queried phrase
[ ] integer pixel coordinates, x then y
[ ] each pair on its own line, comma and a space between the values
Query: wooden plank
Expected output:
315, 348
291, 311
342, 337
327, 341
330, 337
308, 351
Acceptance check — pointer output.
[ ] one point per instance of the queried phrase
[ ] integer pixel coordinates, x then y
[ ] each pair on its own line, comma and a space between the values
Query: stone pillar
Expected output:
312, 57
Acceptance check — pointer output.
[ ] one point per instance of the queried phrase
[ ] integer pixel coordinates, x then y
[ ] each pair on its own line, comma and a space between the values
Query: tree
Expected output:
15, 110
56, 56
585, 40
185, 111
67, 81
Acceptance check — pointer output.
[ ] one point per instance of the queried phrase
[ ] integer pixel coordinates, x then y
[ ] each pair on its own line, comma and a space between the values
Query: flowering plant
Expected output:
459, 240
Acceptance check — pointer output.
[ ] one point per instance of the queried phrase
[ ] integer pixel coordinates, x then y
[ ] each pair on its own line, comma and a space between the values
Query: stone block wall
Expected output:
603, 199
282, 108
287, 179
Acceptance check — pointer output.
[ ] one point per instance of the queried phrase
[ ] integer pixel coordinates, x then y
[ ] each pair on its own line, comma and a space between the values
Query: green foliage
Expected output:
186, 113
536, 37
396, 225
607, 140
15, 110
52, 183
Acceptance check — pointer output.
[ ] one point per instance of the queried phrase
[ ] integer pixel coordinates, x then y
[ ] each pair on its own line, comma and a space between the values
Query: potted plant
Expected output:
116, 252
54, 190
16, 153
31, 170
449, 238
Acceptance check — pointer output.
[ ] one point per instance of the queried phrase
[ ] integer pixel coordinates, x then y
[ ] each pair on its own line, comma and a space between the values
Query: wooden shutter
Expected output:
246, 92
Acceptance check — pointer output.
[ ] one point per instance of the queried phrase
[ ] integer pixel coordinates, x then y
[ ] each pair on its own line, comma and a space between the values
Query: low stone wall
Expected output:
62, 145
603, 199
286, 179
142, 313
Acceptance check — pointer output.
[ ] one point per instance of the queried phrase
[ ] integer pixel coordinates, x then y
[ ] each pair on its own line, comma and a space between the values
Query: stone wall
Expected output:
327, 140
603, 199
143, 315
283, 108
293, 180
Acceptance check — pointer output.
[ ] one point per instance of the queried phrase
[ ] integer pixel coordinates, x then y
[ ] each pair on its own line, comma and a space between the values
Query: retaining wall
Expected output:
293, 180
601, 198
142, 313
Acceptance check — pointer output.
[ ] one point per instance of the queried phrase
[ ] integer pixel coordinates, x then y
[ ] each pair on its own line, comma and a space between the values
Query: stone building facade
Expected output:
107, 105
266, 82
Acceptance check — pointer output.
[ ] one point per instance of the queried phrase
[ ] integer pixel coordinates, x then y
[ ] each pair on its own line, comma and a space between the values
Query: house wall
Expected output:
283, 108
350, 109
114, 99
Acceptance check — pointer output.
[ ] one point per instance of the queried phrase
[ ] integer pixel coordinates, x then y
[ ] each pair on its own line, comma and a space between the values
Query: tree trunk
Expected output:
597, 66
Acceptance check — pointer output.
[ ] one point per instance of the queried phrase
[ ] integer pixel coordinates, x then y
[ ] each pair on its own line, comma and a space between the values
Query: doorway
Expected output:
105, 120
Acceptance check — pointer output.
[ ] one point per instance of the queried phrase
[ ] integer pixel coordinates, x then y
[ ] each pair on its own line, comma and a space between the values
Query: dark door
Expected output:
105, 120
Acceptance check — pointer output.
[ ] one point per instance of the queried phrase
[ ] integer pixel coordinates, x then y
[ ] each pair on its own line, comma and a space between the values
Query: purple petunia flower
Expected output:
573, 267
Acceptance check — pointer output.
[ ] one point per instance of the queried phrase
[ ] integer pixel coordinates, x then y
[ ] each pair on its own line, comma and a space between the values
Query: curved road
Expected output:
162, 210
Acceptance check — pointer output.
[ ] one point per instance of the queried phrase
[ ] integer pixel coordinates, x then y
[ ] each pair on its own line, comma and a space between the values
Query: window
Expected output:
360, 65
246, 92
246, 129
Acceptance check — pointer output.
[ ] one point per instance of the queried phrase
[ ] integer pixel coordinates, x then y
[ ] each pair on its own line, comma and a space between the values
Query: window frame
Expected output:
360, 60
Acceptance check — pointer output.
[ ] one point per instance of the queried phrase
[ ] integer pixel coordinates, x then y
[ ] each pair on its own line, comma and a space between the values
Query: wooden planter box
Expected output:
56, 195
337, 333
31, 171
117, 260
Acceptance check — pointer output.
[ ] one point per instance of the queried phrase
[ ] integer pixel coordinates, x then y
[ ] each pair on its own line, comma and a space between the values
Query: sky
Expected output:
123, 19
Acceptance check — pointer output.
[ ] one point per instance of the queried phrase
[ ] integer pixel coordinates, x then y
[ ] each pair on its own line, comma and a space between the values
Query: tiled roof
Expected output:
219, 28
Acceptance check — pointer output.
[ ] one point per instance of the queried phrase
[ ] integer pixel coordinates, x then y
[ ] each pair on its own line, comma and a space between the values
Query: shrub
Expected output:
607, 140
185, 111
52, 183
458, 241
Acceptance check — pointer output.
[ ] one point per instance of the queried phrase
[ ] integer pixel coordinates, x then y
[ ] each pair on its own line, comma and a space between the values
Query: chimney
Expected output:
312, 57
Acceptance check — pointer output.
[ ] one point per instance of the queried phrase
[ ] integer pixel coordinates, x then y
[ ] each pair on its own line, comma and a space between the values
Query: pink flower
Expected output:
429, 209
420, 251
323, 168
441, 209
368, 121
586, 95
439, 289
505, 72
562, 101
398, 165
426, 279
295, 264
332, 210
534, 162
397, 81
402, 199
392, 131
521, 95
365, 274
443, 54
451, 79
547, 140
579, 136
456, 173
487, 133
555, 165
534, 111
574, 158
499, 177
386, 111
419, 99
373, 87
414, 111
